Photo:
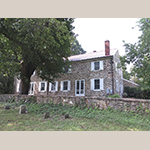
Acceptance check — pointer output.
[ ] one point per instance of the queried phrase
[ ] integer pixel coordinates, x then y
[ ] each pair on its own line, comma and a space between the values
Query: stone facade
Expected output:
82, 79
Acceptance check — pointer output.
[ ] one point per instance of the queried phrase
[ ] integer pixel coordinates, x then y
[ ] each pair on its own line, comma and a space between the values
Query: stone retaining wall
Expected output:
124, 104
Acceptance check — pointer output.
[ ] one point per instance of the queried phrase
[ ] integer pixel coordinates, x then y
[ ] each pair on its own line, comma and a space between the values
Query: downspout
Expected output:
111, 62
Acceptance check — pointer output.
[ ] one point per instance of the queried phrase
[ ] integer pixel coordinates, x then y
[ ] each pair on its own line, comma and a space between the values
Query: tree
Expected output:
43, 44
126, 74
139, 54
76, 47
6, 83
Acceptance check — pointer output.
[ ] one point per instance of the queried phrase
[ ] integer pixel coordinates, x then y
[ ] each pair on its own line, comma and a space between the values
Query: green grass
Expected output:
86, 119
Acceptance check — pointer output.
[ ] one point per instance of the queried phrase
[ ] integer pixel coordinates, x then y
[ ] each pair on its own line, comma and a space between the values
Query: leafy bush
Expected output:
134, 92
114, 96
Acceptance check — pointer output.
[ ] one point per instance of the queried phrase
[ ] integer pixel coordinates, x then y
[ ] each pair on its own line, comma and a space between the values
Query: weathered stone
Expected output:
22, 109
7, 107
66, 115
46, 115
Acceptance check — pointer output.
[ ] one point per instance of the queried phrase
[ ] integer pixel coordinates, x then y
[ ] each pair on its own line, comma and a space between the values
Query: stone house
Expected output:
90, 74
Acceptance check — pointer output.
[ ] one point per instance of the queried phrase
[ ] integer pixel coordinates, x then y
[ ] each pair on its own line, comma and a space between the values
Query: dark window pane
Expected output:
82, 84
42, 86
97, 84
96, 65
65, 85
53, 86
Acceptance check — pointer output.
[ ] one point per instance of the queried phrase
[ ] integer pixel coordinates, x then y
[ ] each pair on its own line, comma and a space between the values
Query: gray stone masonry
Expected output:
82, 70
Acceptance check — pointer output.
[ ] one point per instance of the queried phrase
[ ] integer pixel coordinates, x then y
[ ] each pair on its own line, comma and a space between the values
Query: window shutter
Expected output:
56, 85
50, 85
92, 66
101, 65
92, 84
101, 84
45, 86
69, 85
39, 86
61, 86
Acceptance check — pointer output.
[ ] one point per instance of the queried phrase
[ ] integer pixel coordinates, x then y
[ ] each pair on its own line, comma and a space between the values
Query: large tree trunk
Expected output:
26, 72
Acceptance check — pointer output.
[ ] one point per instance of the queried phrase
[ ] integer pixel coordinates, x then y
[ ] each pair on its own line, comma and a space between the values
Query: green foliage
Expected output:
114, 96
134, 92
87, 119
76, 47
139, 54
27, 44
6, 83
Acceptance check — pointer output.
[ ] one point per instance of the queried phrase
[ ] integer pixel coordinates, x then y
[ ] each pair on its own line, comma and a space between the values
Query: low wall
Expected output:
102, 103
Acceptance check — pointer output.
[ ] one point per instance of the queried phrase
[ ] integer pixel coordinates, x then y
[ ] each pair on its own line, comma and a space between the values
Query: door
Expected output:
79, 88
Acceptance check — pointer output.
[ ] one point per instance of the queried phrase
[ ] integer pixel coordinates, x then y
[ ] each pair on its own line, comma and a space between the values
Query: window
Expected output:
97, 65
31, 89
65, 86
18, 86
97, 84
67, 69
42, 86
53, 86
79, 87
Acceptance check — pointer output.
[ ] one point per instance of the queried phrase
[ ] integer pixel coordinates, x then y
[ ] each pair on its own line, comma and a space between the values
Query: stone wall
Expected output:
124, 104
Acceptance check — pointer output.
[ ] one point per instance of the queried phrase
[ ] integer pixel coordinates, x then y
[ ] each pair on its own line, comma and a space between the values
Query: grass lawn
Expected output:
86, 119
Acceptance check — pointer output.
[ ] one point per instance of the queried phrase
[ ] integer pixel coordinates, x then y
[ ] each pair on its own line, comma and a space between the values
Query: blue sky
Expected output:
94, 31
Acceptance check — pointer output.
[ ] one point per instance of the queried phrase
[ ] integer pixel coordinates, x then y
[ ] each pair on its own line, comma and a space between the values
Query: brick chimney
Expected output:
107, 49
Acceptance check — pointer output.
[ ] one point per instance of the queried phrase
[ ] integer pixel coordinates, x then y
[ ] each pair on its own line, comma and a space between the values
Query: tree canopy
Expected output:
76, 47
27, 44
139, 54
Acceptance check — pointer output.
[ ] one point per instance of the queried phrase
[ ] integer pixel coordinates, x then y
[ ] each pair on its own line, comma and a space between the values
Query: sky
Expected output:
92, 32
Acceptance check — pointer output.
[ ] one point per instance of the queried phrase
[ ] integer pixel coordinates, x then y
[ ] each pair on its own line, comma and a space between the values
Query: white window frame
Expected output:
68, 86
18, 86
56, 87
79, 88
45, 89
101, 65
101, 80
29, 93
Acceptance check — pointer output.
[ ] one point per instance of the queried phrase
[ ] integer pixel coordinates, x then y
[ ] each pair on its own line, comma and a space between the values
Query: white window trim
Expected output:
101, 84
79, 88
101, 65
29, 93
56, 89
18, 86
45, 86
68, 87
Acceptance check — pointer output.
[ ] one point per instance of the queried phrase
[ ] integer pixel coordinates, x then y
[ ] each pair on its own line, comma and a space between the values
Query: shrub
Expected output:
134, 92
114, 96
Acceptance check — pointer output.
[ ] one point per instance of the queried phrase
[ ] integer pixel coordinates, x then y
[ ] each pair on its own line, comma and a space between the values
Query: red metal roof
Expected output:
91, 55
